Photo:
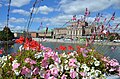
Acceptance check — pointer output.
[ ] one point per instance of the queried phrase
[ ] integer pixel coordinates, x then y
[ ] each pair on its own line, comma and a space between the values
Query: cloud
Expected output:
17, 20
0, 5
43, 9
12, 27
20, 11
78, 6
19, 3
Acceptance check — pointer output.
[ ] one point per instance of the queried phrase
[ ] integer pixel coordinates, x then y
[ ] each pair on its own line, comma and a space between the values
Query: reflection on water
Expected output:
111, 51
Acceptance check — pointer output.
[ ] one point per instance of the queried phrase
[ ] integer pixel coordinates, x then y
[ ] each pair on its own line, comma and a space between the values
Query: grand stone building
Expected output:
74, 30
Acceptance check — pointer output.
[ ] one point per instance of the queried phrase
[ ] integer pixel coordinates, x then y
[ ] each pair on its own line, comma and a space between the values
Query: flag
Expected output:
117, 26
40, 26
46, 30
98, 15
105, 20
74, 17
98, 19
78, 21
87, 13
113, 16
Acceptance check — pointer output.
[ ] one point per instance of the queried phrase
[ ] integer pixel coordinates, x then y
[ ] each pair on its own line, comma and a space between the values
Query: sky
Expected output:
55, 13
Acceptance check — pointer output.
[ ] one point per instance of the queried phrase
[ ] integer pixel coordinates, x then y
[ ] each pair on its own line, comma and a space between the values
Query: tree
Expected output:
6, 34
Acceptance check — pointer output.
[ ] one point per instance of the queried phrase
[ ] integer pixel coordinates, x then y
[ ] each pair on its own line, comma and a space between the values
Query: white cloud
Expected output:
20, 11
43, 9
0, 5
19, 3
12, 27
78, 6
17, 20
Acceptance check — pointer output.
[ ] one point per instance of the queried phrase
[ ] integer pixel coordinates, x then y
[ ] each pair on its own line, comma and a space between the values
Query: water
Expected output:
108, 50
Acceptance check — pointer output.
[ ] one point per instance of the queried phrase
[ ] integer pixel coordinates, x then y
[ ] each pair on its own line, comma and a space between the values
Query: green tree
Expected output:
6, 34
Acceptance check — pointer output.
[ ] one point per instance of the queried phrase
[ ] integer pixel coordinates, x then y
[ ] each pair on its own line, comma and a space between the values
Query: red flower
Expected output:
20, 40
1, 51
69, 52
62, 48
70, 47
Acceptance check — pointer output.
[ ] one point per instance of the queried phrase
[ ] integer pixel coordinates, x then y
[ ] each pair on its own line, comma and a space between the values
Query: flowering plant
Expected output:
35, 61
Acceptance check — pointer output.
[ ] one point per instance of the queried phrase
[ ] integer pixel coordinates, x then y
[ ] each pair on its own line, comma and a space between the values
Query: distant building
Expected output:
17, 35
34, 34
73, 31
45, 35
59, 32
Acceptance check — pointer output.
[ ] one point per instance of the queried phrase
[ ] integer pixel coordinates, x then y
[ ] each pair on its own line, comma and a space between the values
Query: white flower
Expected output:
51, 66
61, 68
56, 53
77, 76
88, 73
83, 65
4, 58
92, 70
14, 61
66, 67
3, 65
59, 60
41, 73
78, 64
64, 55
97, 72
38, 55
97, 63
86, 68
94, 58
77, 69
71, 70
57, 65
66, 61
72, 53
16, 72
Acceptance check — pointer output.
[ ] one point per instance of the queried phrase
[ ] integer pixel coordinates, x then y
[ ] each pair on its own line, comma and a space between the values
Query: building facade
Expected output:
73, 31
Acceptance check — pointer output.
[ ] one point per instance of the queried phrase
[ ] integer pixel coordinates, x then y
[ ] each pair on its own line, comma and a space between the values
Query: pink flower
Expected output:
32, 62
82, 74
44, 63
54, 71
16, 65
72, 74
72, 62
105, 59
52, 77
84, 54
36, 71
55, 57
27, 60
46, 56
25, 70
47, 74
82, 49
113, 62
64, 76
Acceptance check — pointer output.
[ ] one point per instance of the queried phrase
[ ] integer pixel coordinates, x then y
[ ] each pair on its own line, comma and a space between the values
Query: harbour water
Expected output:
108, 50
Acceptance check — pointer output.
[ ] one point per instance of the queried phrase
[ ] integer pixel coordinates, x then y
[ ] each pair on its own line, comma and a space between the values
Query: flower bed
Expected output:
35, 61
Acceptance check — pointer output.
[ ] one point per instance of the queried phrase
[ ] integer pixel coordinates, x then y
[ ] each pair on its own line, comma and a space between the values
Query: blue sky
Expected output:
54, 13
